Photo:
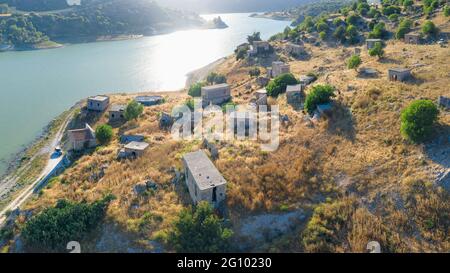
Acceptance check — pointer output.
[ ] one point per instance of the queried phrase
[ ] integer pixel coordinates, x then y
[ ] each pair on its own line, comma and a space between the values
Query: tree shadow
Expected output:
386, 60
438, 149
341, 122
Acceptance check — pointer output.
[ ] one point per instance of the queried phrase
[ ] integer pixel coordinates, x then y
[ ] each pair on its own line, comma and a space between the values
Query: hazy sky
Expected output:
231, 5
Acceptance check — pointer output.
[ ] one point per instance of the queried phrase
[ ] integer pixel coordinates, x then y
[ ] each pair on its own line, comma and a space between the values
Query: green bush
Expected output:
216, 78
199, 231
429, 28
278, 85
379, 31
446, 11
391, 10
320, 94
393, 17
417, 120
241, 53
354, 62
322, 35
104, 134
196, 89
352, 19
339, 33
352, 34
53, 228
254, 72
377, 50
134, 110
403, 28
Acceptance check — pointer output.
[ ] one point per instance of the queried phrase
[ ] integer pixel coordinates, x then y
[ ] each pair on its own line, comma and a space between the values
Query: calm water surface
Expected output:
36, 86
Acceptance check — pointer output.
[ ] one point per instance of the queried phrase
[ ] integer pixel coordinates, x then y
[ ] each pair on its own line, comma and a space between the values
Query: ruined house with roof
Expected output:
203, 180
81, 139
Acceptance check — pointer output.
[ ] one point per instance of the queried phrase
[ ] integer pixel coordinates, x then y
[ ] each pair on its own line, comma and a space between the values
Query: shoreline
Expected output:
14, 161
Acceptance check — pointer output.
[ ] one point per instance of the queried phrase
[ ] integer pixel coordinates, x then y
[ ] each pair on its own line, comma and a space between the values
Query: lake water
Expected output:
36, 86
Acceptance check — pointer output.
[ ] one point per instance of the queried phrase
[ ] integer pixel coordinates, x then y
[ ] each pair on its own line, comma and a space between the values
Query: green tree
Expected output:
54, 227
391, 10
417, 120
377, 50
134, 110
256, 36
354, 62
195, 90
379, 31
322, 27
428, 28
352, 34
352, 19
279, 84
104, 134
393, 17
447, 11
241, 53
403, 28
339, 33
320, 94
199, 231
373, 13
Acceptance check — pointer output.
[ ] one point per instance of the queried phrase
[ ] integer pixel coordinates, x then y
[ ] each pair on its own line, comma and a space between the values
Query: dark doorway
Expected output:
214, 194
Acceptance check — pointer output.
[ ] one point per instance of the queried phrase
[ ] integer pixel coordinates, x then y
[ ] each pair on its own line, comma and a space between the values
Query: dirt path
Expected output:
52, 163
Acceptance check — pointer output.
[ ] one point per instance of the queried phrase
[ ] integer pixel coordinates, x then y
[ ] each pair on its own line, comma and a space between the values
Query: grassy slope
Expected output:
358, 153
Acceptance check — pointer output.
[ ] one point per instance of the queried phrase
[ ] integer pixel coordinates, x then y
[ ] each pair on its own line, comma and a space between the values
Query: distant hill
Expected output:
93, 19
36, 5
219, 6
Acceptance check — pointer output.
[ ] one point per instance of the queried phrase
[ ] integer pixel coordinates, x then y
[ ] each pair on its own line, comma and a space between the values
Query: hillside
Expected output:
92, 20
333, 184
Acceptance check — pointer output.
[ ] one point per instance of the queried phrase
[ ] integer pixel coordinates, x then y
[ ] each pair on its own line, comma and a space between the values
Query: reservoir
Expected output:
36, 86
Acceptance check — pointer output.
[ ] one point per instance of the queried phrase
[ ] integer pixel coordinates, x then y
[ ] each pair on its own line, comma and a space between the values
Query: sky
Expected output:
202, 6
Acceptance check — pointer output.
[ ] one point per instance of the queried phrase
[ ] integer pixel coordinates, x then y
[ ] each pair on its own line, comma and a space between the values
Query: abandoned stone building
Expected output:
305, 80
261, 97
259, 47
149, 100
215, 94
370, 43
204, 181
277, 69
294, 93
116, 112
295, 50
368, 72
444, 102
399, 74
81, 139
412, 38
124, 139
133, 149
98, 103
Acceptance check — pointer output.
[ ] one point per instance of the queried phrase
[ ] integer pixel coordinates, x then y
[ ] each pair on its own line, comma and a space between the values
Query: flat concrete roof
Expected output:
261, 91
99, 98
135, 145
216, 86
118, 108
399, 69
205, 173
293, 88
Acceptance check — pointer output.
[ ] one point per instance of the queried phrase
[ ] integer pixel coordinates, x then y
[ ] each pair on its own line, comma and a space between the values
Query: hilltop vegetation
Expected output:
94, 19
